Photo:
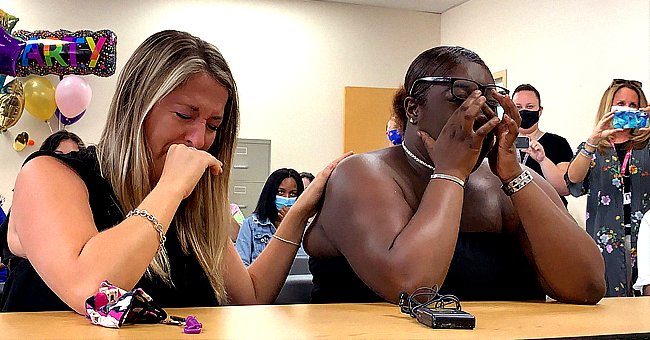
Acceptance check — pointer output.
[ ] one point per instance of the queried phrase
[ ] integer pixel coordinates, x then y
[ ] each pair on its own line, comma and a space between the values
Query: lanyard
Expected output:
628, 154
627, 217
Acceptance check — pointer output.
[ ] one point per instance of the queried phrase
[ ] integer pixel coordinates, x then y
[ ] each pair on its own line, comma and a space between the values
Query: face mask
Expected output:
281, 201
528, 118
394, 136
623, 108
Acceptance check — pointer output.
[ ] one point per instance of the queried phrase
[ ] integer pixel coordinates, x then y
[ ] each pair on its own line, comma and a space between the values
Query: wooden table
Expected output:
382, 320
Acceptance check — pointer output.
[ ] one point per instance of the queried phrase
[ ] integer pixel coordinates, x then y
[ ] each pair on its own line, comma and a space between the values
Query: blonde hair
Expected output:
637, 140
159, 65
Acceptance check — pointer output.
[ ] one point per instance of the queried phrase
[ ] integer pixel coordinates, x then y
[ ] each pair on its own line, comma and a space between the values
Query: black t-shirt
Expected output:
25, 291
556, 148
485, 266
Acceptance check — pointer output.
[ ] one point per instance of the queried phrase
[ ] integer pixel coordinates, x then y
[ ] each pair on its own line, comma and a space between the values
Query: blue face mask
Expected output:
394, 136
281, 201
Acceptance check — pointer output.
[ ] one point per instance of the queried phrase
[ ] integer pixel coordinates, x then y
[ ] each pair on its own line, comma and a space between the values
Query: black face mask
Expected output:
528, 118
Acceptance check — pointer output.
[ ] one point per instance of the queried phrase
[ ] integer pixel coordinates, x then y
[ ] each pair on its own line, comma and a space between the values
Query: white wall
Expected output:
291, 61
570, 50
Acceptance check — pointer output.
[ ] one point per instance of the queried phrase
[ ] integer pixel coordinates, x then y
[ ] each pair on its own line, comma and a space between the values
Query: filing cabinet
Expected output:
250, 169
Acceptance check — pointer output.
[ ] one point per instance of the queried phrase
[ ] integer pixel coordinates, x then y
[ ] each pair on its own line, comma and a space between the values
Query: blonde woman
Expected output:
148, 207
612, 167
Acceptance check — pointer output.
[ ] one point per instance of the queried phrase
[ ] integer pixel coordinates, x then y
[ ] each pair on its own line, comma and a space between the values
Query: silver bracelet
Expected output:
449, 178
517, 183
286, 241
151, 218
592, 145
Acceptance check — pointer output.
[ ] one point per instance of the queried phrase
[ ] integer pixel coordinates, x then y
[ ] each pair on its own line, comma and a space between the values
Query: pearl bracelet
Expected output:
151, 218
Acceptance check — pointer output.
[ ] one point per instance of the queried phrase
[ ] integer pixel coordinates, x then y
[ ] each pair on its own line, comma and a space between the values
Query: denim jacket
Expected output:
253, 237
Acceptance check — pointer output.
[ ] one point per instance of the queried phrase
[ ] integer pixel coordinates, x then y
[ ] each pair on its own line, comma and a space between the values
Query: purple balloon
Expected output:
68, 121
10, 51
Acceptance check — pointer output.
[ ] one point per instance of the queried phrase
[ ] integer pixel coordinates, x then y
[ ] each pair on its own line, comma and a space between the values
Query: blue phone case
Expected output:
630, 119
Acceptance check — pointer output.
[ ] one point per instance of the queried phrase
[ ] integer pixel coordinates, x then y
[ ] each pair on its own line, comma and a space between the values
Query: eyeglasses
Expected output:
625, 81
462, 88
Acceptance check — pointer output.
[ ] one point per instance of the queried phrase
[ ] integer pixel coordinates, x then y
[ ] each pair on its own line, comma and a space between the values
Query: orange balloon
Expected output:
39, 98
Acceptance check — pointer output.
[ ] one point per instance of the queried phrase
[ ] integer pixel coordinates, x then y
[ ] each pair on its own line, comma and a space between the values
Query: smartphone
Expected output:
631, 119
522, 142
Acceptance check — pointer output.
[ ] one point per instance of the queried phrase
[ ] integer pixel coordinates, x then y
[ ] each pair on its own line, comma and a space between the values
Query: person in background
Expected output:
549, 154
237, 220
307, 178
451, 207
612, 167
642, 283
394, 130
278, 195
147, 207
62, 142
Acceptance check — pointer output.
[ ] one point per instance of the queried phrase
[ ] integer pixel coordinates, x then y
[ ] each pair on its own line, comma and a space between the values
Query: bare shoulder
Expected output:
43, 181
45, 169
364, 174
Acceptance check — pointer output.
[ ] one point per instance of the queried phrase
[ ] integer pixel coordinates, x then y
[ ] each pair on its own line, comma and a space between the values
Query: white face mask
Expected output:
623, 108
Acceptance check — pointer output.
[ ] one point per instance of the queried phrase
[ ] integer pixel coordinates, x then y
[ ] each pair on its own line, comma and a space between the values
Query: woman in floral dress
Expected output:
612, 168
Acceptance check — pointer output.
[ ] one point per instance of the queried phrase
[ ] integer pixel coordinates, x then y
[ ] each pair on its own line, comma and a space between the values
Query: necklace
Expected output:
415, 158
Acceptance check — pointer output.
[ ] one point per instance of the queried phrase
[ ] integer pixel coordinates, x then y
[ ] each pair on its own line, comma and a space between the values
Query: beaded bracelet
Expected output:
449, 178
151, 218
586, 154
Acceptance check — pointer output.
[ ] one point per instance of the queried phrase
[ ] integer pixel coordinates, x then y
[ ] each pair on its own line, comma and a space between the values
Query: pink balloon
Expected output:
72, 96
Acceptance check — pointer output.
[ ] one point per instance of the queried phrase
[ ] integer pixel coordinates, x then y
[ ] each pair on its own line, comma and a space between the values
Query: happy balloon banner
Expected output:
60, 52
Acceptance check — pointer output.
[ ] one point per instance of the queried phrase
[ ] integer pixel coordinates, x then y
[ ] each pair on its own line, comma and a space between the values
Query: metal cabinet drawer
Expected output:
252, 160
245, 195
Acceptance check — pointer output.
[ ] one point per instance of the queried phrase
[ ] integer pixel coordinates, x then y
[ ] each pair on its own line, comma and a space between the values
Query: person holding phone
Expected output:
547, 154
612, 167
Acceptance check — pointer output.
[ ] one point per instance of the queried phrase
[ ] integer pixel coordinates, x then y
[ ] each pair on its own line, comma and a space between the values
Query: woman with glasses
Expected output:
452, 207
612, 167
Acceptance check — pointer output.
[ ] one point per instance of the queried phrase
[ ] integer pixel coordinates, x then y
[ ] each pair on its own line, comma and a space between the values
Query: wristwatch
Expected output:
518, 183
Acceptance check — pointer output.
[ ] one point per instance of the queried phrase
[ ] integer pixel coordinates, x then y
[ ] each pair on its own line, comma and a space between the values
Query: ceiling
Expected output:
433, 6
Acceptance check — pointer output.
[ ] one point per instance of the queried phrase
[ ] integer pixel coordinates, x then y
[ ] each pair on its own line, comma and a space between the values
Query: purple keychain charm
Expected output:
192, 326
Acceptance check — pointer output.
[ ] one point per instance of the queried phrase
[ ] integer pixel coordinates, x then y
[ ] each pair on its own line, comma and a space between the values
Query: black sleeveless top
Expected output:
26, 291
485, 266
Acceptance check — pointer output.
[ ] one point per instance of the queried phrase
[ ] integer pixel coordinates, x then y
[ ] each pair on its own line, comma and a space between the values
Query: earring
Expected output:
412, 120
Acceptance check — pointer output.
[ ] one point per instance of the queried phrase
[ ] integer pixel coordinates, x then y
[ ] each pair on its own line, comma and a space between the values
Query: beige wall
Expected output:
291, 61
570, 50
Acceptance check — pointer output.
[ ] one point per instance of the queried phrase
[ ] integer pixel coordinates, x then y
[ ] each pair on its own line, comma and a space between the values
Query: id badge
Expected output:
627, 198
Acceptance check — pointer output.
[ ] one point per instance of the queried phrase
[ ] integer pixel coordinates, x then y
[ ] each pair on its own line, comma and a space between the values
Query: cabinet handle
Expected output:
242, 206
240, 166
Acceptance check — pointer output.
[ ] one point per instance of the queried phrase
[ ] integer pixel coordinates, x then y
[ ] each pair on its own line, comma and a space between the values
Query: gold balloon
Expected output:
7, 21
39, 97
12, 102
21, 141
